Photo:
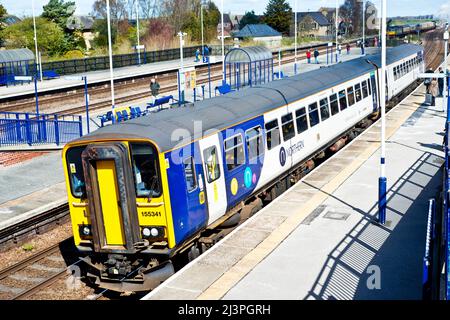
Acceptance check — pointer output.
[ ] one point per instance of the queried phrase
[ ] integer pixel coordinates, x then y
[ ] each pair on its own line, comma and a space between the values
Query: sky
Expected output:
395, 7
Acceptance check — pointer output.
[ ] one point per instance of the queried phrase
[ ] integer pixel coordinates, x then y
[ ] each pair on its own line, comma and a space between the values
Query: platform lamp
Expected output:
295, 37
36, 44
446, 37
223, 42
337, 28
138, 47
202, 4
382, 181
181, 71
111, 71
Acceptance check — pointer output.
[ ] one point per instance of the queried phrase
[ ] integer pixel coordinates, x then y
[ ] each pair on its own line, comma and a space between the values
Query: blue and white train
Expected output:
143, 190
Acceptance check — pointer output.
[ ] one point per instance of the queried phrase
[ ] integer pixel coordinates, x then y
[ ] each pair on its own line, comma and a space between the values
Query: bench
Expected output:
279, 75
223, 89
105, 118
50, 74
160, 102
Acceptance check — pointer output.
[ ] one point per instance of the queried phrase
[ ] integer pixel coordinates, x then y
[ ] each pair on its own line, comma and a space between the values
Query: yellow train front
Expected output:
119, 211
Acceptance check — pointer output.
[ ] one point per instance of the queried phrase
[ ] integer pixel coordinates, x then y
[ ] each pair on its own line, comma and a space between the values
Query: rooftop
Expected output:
257, 30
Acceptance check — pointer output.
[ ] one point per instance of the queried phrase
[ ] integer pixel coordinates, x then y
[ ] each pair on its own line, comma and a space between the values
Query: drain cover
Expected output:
334, 215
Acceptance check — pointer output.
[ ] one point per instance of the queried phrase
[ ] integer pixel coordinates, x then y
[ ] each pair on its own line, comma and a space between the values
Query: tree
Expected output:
21, 35
117, 9
101, 28
278, 15
3, 14
59, 12
249, 18
351, 13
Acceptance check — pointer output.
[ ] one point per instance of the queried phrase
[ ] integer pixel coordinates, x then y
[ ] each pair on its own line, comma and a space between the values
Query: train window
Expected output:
358, 94
395, 73
288, 127
313, 114
272, 134
145, 163
190, 175
342, 100
324, 109
365, 92
302, 121
255, 146
211, 164
75, 169
351, 96
234, 152
334, 104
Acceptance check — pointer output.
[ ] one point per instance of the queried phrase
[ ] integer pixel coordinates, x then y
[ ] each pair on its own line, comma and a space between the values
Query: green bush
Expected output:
73, 54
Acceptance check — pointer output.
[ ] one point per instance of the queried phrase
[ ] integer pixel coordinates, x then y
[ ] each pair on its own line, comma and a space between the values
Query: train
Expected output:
143, 191
403, 30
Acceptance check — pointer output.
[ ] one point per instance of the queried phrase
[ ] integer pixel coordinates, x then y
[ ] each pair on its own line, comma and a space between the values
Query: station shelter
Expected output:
248, 66
16, 62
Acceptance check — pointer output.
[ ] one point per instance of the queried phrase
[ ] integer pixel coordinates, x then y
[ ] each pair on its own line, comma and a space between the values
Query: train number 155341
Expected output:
151, 214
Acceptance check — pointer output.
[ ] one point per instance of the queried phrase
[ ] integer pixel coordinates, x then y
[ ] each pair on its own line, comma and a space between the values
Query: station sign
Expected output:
330, 44
431, 75
141, 47
23, 78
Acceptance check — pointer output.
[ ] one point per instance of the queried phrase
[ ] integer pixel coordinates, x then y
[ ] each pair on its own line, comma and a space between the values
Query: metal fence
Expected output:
31, 128
65, 67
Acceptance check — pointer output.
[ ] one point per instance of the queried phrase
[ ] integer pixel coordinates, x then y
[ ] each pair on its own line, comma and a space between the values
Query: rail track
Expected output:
23, 271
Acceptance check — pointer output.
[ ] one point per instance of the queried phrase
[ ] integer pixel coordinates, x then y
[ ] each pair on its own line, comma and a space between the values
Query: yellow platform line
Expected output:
237, 272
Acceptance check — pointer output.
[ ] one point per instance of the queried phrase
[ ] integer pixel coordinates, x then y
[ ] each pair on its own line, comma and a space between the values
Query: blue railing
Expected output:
446, 199
429, 245
32, 129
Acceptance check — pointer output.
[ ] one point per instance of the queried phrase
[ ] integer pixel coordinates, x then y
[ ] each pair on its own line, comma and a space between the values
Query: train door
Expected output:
374, 87
211, 152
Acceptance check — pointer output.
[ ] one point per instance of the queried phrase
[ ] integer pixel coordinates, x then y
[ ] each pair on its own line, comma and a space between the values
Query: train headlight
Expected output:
154, 232
146, 232
151, 232
85, 230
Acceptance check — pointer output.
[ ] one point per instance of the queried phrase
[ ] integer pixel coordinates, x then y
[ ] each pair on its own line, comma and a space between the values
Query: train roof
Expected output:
228, 110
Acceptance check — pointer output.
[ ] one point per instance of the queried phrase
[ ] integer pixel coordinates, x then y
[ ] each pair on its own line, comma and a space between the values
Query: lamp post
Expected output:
181, 72
337, 27
295, 30
202, 3
223, 42
111, 71
446, 37
382, 181
35, 42
137, 31
364, 27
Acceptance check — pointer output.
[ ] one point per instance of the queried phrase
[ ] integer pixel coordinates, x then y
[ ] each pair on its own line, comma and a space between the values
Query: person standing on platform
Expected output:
434, 91
348, 48
340, 49
154, 88
197, 55
362, 44
316, 55
308, 55
441, 83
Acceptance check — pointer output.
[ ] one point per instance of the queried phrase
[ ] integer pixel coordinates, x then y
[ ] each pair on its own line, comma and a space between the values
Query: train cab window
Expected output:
342, 100
234, 152
190, 175
145, 163
334, 104
358, 94
211, 164
255, 147
302, 121
365, 91
273, 137
287, 122
351, 96
313, 114
324, 109
75, 169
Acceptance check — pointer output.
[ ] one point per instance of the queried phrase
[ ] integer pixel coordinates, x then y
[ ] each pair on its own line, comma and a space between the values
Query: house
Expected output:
260, 33
227, 26
235, 21
85, 24
312, 24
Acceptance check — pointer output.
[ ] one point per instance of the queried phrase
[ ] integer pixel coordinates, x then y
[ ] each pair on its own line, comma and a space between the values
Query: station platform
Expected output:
319, 240
99, 77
